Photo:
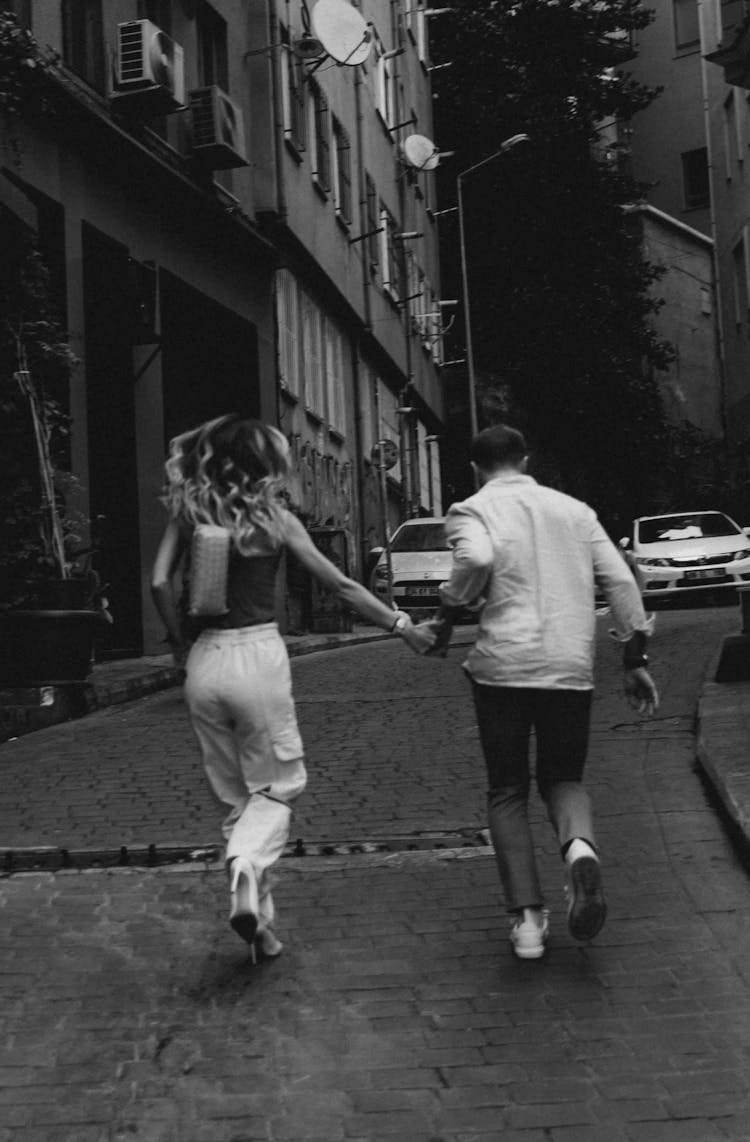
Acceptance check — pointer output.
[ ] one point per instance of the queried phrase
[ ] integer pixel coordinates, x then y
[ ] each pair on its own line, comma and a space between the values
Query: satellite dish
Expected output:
308, 48
420, 152
342, 31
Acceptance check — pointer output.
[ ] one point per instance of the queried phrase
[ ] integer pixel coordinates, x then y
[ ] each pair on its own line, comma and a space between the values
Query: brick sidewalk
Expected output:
397, 1012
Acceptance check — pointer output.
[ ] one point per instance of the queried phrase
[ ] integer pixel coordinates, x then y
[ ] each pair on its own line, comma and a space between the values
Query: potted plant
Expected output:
51, 602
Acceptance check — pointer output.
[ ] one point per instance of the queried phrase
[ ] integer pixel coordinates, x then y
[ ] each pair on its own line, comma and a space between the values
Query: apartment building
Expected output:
237, 227
691, 147
357, 298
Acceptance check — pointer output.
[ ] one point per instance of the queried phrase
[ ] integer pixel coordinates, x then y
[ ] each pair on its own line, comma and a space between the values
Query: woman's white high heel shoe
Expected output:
243, 886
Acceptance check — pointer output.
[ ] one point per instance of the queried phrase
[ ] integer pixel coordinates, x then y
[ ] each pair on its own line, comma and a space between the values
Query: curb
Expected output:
722, 739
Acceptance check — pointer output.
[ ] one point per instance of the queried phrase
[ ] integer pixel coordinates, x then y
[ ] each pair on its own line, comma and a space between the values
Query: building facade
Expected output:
691, 148
228, 215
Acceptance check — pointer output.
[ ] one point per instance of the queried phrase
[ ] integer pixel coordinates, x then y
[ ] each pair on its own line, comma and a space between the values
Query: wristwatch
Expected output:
400, 623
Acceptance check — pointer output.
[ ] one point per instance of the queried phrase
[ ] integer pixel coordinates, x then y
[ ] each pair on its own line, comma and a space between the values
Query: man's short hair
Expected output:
497, 445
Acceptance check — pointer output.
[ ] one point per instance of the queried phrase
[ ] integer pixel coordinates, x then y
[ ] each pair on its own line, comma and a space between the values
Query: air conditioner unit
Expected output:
218, 137
149, 68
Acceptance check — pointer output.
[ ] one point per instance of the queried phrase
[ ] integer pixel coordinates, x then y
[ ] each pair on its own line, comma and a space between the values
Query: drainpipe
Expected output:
383, 484
358, 448
359, 120
274, 39
705, 13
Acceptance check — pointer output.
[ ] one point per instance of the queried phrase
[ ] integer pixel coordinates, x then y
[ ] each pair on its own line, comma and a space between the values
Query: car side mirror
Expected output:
624, 542
746, 530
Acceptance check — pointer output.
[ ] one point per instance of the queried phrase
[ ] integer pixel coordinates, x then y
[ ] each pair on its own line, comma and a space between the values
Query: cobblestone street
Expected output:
397, 1012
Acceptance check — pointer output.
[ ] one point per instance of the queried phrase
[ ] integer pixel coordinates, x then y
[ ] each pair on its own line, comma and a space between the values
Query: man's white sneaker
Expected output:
529, 938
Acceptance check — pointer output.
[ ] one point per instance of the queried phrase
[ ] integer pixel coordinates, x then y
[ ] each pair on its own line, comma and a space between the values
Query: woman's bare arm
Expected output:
168, 558
350, 592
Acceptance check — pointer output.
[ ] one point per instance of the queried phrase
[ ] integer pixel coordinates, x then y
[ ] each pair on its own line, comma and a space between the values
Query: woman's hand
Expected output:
180, 648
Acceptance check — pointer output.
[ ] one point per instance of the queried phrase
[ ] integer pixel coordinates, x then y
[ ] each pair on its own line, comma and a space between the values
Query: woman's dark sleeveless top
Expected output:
251, 591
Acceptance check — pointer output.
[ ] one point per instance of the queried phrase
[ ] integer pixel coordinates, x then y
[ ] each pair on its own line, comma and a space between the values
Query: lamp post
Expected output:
506, 146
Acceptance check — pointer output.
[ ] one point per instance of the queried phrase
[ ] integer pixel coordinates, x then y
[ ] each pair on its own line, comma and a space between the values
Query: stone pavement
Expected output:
129, 1009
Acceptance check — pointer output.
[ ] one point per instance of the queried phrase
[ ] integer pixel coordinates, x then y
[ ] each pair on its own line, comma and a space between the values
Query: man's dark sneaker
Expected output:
587, 908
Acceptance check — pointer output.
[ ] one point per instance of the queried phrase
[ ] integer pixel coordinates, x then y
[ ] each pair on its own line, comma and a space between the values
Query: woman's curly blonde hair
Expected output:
231, 472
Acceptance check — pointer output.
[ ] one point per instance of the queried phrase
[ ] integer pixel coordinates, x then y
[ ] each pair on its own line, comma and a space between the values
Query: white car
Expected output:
420, 561
687, 551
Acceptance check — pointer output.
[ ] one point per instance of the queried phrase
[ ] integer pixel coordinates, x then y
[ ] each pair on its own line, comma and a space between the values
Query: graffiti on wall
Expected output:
322, 486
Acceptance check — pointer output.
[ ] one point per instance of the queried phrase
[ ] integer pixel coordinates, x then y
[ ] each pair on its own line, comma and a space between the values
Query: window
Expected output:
83, 40
367, 383
695, 178
391, 256
732, 15
385, 85
732, 141
292, 94
159, 12
211, 31
312, 353
432, 322
687, 32
740, 270
312, 356
288, 324
343, 172
335, 373
413, 289
372, 224
321, 133
398, 35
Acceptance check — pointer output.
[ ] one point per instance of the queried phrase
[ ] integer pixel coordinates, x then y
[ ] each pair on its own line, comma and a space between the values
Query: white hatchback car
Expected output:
694, 551
420, 561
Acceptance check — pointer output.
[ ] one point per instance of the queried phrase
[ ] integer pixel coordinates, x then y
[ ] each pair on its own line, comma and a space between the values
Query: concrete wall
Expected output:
674, 123
689, 390
129, 186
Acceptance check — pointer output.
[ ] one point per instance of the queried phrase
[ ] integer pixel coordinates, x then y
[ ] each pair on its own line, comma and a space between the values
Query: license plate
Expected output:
706, 573
421, 590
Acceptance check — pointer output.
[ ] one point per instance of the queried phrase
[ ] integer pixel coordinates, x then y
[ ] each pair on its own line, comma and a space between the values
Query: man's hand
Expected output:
421, 638
640, 691
442, 630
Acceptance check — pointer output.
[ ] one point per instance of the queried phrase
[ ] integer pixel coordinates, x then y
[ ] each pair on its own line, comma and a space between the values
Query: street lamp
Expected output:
506, 146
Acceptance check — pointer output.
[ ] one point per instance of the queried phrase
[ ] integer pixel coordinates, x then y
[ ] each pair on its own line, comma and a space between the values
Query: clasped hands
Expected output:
430, 637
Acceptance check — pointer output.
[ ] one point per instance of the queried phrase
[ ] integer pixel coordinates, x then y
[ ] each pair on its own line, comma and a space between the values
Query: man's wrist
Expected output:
634, 653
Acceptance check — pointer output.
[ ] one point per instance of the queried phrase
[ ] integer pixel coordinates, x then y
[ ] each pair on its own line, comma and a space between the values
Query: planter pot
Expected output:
57, 595
42, 647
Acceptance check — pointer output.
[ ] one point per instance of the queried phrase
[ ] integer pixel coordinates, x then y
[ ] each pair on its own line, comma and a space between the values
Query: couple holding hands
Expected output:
533, 555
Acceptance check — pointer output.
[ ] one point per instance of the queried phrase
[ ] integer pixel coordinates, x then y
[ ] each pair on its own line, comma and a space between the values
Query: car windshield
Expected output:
420, 537
675, 527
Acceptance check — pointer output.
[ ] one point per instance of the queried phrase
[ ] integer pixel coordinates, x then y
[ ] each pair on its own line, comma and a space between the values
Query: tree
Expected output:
561, 295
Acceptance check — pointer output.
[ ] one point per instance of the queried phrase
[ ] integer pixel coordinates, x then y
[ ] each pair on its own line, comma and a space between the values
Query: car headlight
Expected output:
652, 562
744, 554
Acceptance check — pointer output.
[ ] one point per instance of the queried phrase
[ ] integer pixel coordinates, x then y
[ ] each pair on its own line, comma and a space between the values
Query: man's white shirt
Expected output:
536, 556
